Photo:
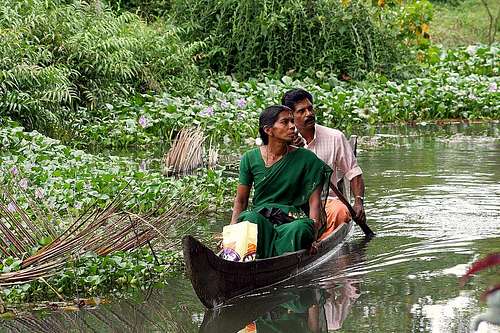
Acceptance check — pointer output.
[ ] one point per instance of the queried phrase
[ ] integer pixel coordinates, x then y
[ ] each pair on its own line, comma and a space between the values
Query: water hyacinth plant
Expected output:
227, 112
65, 177
51, 184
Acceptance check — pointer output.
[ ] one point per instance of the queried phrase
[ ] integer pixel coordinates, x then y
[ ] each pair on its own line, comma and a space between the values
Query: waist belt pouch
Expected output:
276, 216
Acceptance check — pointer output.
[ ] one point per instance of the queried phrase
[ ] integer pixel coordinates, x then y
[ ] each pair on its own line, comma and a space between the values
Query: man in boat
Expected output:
287, 182
332, 147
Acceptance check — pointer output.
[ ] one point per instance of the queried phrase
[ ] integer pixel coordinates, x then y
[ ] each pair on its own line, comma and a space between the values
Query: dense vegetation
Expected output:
77, 78
56, 57
248, 37
460, 84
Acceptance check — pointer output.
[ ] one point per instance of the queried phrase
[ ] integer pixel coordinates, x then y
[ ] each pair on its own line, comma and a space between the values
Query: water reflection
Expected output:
154, 310
317, 301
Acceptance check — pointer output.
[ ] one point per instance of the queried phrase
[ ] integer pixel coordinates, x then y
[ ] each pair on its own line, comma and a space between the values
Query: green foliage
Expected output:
247, 37
414, 21
150, 9
459, 83
55, 57
475, 59
63, 182
463, 24
92, 275
66, 180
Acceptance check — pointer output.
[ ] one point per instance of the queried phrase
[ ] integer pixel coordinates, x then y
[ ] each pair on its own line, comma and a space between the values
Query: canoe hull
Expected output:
216, 280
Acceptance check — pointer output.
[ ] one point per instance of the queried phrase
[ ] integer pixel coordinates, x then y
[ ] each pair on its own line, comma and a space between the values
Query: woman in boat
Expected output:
287, 182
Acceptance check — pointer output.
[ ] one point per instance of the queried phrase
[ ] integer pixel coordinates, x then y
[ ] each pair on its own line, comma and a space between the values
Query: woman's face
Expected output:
283, 128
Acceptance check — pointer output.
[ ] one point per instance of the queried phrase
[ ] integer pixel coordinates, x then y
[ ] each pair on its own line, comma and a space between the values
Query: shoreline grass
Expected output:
463, 24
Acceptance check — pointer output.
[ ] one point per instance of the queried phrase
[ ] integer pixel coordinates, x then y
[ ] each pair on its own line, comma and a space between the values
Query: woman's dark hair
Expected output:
291, 97
267, 119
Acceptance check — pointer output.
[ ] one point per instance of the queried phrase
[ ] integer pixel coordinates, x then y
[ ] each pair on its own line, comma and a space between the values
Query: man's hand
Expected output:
360, 217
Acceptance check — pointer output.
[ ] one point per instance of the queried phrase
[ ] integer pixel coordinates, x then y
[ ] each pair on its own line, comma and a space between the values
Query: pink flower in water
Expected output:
143, 121
14, 171
493, 87
241, 103
208, 112
143, 165
39, 193
23, 184
11, 207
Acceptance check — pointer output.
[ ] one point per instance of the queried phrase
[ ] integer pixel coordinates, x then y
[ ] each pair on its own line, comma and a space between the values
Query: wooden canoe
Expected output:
217, 281
243, 310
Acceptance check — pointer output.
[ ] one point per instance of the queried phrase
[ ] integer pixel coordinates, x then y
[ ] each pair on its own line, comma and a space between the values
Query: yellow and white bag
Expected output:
239, 241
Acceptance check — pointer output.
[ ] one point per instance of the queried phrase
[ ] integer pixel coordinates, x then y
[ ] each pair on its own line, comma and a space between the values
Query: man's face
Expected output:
303, 114
283, 129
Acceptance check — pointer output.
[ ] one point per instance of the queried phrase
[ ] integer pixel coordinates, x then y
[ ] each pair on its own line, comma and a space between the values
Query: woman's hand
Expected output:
315, 211
240, 202
314, 248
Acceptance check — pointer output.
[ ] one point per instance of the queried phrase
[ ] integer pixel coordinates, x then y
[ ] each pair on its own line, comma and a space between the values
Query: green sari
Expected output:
287, 185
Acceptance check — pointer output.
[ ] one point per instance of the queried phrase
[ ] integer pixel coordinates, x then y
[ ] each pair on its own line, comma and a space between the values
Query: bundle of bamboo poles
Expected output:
187, 153
102, 231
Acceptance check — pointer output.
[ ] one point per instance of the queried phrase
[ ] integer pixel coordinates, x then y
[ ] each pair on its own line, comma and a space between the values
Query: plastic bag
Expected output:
239, 241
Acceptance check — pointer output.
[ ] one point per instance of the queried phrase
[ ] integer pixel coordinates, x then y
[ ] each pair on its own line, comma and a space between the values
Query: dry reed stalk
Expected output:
102, 231
41, 216
186, 153
18, 244
36, 232
212, 156
4, 250
52, 288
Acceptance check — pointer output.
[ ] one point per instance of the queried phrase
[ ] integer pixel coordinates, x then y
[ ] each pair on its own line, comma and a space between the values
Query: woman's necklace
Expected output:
285, 151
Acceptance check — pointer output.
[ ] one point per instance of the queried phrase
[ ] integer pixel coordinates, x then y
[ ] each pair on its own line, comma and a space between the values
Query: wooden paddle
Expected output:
366, 229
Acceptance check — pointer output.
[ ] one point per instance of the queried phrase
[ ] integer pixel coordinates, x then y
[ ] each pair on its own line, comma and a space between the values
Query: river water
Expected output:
433, 198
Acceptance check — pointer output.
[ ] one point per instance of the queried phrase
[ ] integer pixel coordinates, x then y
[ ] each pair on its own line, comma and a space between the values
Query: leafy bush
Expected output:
150, 9
246, 37
461, 84
414, 20
55, 57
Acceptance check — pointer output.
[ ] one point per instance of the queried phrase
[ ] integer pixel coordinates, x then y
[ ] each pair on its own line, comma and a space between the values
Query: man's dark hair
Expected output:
268, 117
291, 97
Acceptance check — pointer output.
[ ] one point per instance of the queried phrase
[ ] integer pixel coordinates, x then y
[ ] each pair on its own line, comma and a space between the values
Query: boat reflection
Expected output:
316, 301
